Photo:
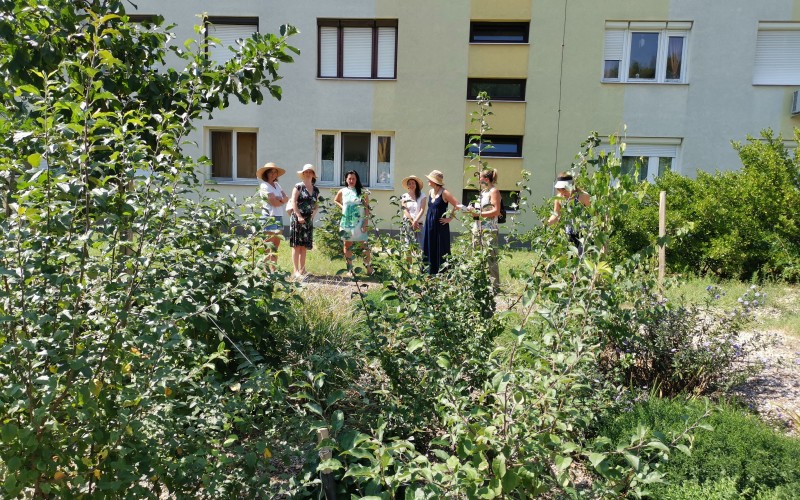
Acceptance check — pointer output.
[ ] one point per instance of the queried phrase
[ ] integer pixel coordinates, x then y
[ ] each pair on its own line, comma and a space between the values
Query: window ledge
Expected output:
329, 78
499, 43
373, 188
635, 82
499, 157
233, 182
495, 101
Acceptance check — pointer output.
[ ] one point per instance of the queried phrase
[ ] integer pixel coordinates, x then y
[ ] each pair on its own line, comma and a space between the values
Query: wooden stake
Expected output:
662, 232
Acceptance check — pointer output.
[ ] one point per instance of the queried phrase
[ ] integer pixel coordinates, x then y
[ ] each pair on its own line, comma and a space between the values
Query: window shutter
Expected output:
777, 58
228, 35
328, 51
387, 39
614, 43
648, 150
357, 48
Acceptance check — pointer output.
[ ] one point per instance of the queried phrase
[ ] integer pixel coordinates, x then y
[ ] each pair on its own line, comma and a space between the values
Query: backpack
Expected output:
501, 218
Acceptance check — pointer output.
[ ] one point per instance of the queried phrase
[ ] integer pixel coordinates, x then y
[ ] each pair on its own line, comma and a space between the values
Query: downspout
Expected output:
560, 88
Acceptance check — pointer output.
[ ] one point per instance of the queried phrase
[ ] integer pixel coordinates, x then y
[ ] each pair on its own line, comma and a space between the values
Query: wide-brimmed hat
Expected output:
263, 170
417, 179
436, 177
307, 167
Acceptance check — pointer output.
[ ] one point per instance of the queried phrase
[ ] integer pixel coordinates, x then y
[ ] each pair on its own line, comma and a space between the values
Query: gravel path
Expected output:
775, 392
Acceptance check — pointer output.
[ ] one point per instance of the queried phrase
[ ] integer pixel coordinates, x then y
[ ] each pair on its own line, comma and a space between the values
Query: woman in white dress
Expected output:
413, 202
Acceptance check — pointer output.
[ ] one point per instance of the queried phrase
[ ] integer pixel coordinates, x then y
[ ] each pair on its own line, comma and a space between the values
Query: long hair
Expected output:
359, 187
417, 188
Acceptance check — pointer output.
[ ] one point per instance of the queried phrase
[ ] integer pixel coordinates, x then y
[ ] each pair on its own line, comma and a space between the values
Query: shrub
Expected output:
687, 348
754, 238
126, 300
753, 457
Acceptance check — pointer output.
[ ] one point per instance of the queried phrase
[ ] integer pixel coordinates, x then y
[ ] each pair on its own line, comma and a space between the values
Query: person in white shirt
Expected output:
413, 203
485, 212
273, 209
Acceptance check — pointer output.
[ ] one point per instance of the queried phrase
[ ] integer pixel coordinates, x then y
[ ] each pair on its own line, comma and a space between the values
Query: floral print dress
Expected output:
302, 235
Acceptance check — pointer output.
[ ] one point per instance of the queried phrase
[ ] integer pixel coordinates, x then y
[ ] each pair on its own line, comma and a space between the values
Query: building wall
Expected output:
426, 108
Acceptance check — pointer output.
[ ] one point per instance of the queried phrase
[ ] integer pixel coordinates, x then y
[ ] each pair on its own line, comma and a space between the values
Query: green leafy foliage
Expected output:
737, 224
125, 298
741, 454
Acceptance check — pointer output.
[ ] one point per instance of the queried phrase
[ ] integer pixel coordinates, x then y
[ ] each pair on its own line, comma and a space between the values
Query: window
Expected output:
229, 31
510, 198
496, 145
233, 153
498, 89
646, 52
357, 48
777, 54
487, 32
652, 159
371, 154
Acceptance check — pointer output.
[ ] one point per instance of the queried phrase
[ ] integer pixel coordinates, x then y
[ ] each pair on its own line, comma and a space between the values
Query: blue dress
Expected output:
436, 241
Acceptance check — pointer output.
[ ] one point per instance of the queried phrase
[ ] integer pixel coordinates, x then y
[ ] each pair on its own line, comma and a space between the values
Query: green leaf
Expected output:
658, 445
359, 471
337, 421
633, 460
562, 463
335, 396
685, 449
596, 458
499, 465
34, 159
415, 344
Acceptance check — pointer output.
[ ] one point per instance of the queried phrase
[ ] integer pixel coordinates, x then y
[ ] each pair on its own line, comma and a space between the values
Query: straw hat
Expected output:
436, 177
305, 169
404, 183
263, 170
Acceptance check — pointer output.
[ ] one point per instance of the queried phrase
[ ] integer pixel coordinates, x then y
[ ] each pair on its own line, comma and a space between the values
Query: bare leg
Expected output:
348, 254
272, 251
296, 259
302, 259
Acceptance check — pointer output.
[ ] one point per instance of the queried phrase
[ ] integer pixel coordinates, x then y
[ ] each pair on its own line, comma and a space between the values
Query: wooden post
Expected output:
328, 484
662, 232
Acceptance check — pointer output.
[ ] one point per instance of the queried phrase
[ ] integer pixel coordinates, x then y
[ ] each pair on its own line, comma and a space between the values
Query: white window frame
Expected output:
652, 148
617, 47
777, 59
234, 153
373, 157
230, 31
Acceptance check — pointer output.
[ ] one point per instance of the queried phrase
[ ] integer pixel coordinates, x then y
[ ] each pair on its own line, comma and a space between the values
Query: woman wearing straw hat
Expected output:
436, 239
274, 207
571, 197
413, 203
304, 207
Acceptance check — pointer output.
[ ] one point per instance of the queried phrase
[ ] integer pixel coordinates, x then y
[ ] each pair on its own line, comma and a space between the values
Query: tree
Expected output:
115, 285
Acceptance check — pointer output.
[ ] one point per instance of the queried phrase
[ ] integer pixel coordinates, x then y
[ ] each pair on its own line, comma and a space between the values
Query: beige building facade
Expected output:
386, 87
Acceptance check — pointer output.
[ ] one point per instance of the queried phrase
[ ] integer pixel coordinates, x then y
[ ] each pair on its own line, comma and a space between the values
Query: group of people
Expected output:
426, 218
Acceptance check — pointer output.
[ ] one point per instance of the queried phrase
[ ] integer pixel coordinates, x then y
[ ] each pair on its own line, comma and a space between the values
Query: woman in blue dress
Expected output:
436, 240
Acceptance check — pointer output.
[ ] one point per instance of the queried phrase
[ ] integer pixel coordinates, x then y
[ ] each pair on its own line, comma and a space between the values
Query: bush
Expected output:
680, 348
127, 302
755, 237
753, 457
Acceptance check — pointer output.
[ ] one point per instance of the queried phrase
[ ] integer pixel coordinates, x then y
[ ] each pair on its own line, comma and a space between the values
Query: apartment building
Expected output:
386, 87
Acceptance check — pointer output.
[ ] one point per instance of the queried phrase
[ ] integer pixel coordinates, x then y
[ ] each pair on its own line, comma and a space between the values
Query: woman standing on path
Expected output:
354, 202
304, 207
273, 209
484, 229
413, 203
436, 242
570, 197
